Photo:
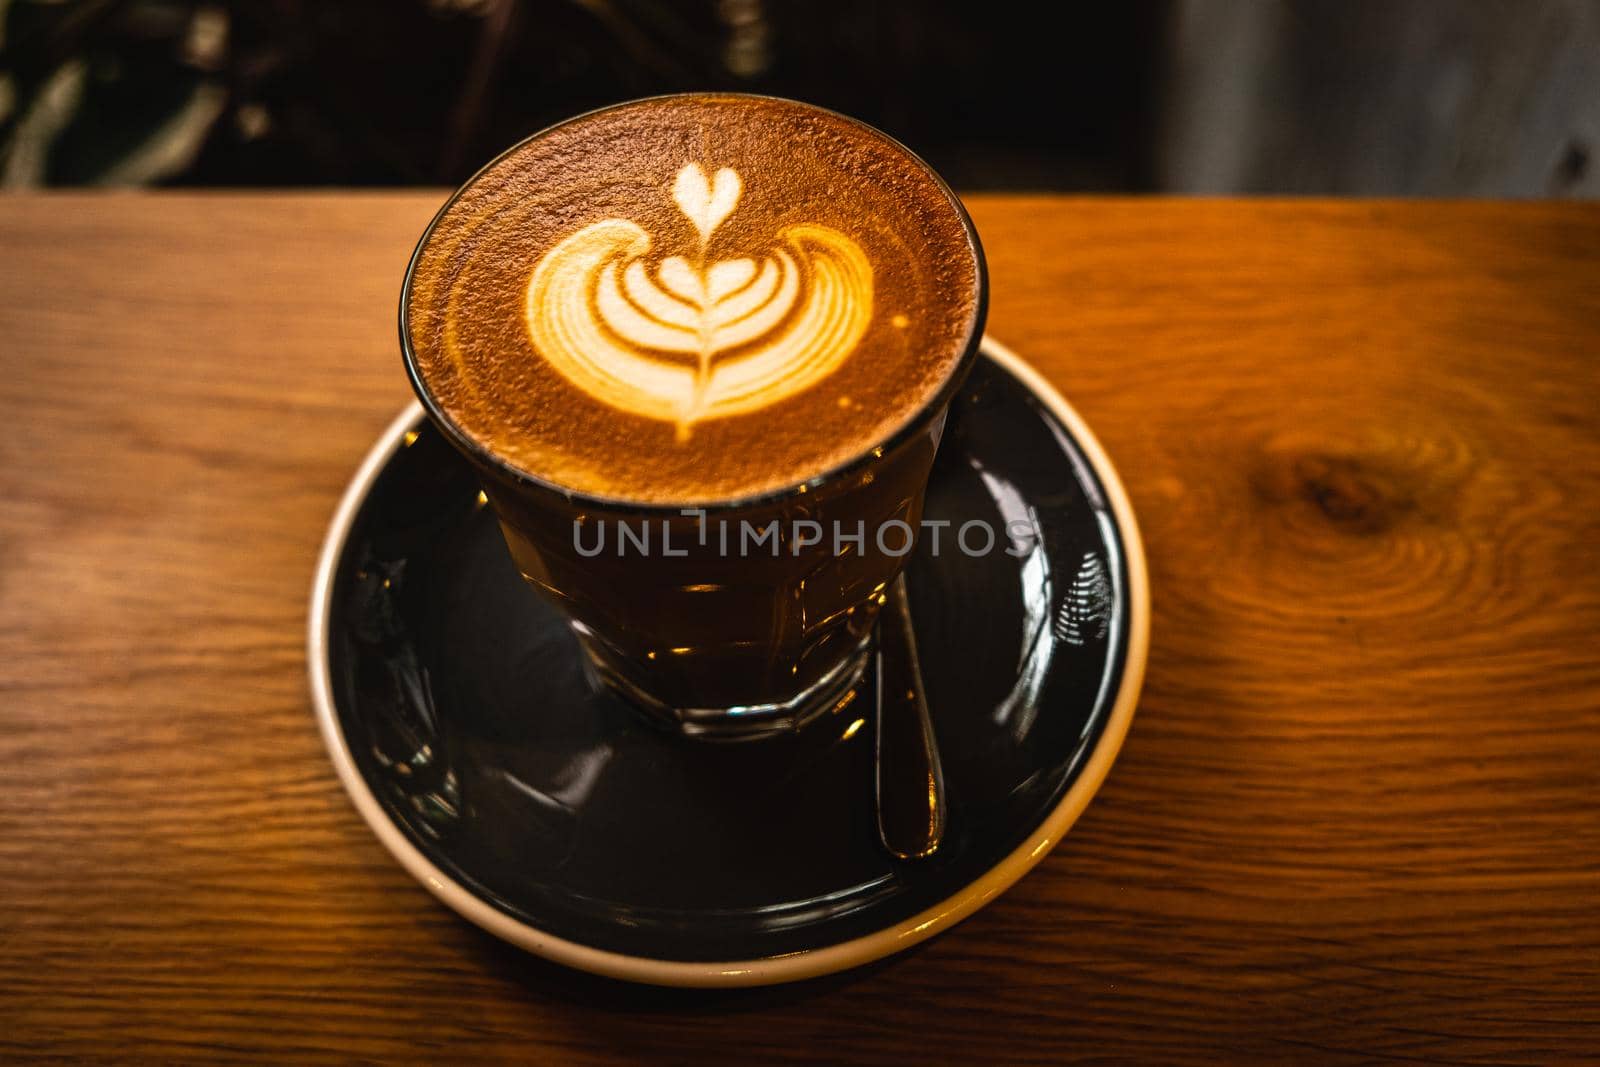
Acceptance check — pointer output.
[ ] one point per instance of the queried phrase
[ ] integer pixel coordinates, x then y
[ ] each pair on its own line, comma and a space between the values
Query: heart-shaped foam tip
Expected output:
706, 203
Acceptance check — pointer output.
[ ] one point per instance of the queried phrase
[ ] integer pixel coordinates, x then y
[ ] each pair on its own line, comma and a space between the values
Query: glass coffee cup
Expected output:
702, 395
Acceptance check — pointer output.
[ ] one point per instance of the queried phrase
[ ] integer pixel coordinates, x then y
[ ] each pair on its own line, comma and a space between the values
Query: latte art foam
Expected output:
697, 340
692, 299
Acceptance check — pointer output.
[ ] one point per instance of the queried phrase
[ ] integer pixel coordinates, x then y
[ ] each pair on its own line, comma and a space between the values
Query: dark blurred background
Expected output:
1363, 97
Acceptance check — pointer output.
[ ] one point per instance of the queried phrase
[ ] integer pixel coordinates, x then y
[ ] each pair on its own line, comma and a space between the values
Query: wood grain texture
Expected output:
1357, 820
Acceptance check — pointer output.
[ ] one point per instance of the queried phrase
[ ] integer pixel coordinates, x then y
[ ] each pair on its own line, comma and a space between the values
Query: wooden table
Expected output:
1358, 817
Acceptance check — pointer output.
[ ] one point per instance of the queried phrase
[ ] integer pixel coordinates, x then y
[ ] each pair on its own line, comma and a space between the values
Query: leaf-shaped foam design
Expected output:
694, 343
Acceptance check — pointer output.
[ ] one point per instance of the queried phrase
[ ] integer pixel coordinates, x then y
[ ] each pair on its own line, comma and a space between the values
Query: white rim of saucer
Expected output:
794, 966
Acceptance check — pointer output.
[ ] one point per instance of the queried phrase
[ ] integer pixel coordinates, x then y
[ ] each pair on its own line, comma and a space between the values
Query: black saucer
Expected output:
457, 712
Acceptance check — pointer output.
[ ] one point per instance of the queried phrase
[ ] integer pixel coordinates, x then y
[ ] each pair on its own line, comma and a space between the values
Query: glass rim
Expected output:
913, 423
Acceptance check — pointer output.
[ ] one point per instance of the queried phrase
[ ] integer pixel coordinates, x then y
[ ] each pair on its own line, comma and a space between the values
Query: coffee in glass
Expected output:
699, 349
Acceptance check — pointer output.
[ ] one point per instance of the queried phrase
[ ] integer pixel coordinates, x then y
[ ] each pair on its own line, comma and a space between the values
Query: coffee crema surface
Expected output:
693, 299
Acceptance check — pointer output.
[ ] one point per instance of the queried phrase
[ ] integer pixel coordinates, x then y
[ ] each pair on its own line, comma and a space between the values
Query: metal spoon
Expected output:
910, 782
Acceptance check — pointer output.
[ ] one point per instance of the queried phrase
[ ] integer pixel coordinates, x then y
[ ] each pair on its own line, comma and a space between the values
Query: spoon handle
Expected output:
910, 785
